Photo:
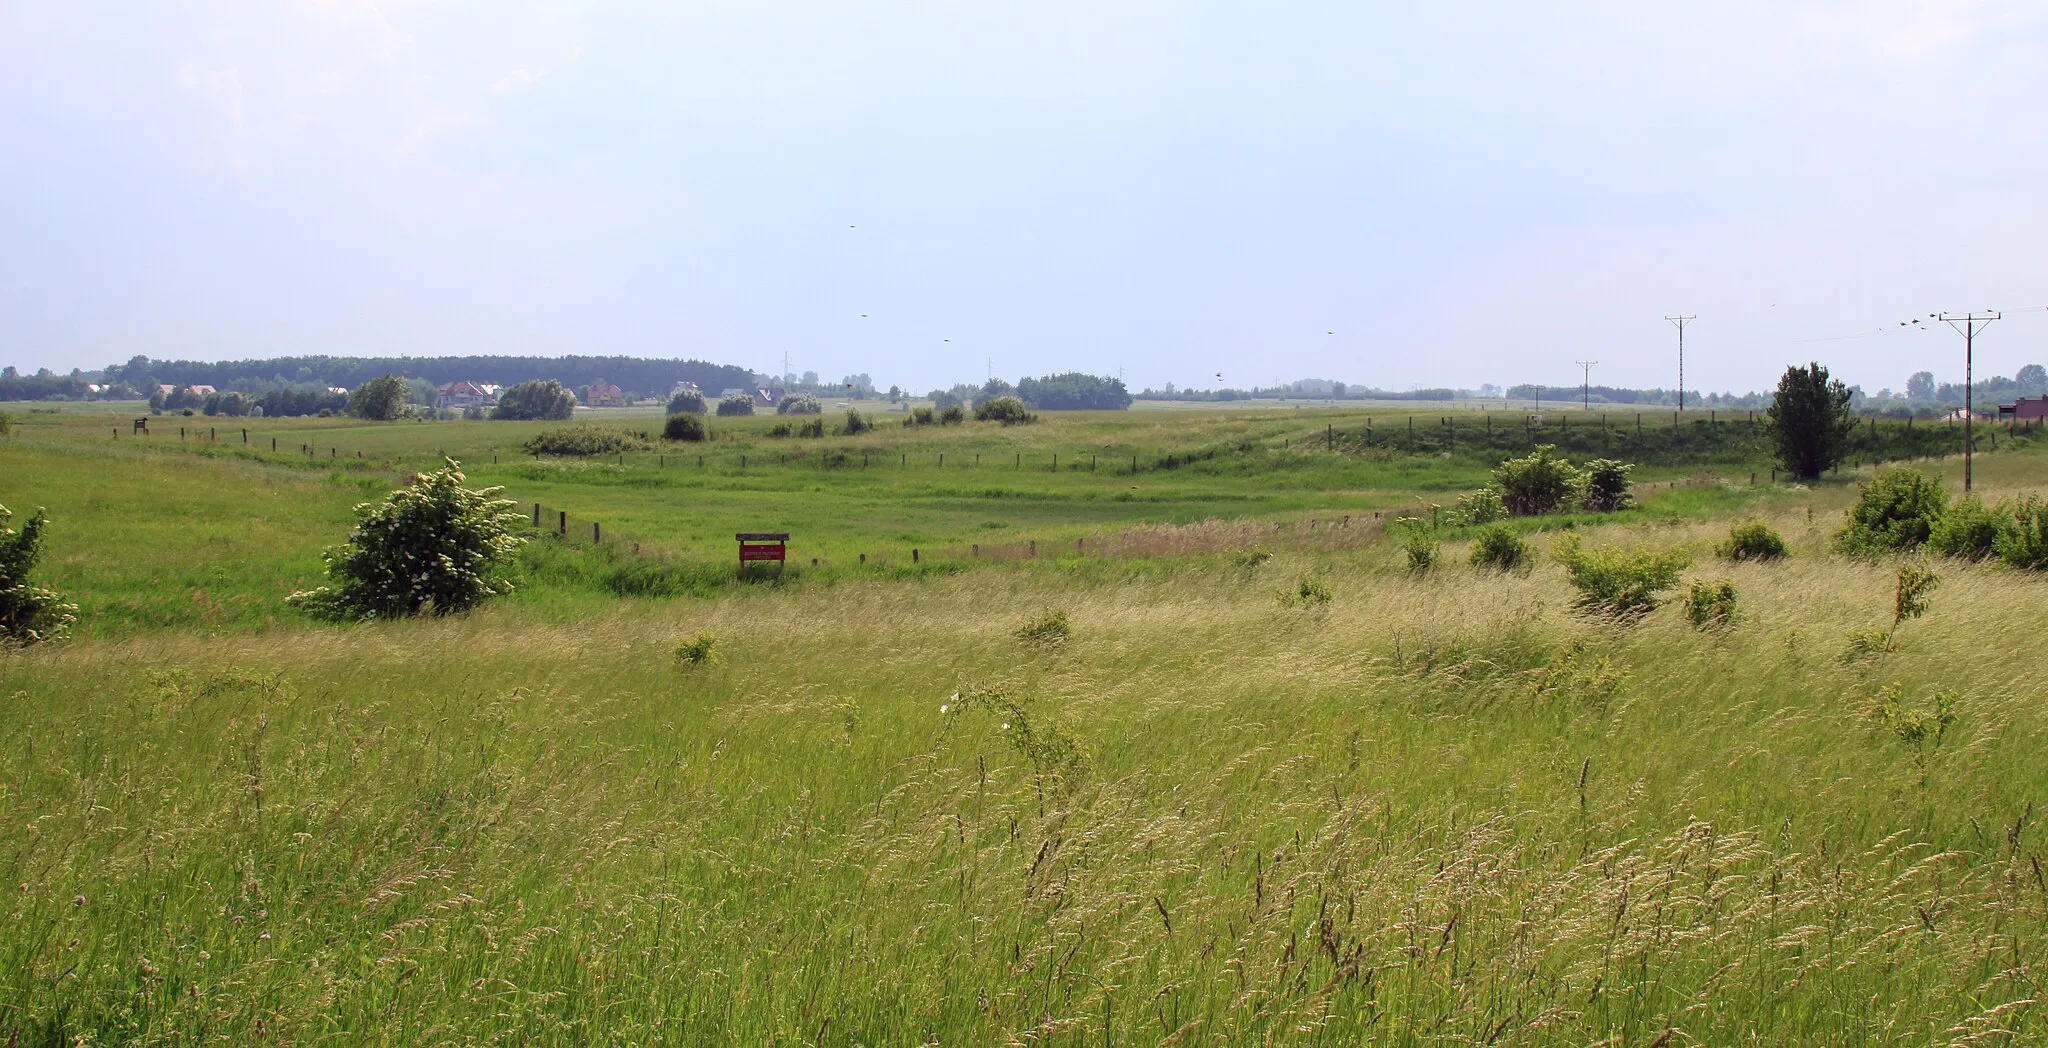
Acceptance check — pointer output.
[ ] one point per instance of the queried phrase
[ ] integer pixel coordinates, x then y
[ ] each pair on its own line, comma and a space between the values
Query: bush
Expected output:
1623, 583
1895, 510
1909, 598
735, 404
1607, 486
685, 427
698, 650
920, 417
1710, 605
28, 614
1483, 506
581, 441
1754, 540
432, 545
855, 424
1049, 628
799, 404
780, 429
536, 399
1867, 642
1007, 410
1312, 591
1538, 482
1499, 548
812, 428
1251, 556
689, 401
1968, 530
1423, 553
2023, 535
950, 415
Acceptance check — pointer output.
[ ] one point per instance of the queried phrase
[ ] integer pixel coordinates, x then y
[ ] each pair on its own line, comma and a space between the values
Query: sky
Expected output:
1395, 195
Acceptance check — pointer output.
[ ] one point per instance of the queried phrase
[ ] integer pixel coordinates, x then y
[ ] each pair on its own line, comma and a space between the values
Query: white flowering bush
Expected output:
28, 614
431, 546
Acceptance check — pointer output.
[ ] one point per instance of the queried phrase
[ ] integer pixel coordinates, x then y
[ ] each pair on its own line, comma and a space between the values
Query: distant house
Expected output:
734, 391
456, 396
342, 391
604, 395
164, 389
2024, 409
202, 391
767, 398
684, 387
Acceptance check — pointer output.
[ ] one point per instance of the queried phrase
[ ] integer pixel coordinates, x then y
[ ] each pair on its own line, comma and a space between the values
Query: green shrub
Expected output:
735, 404
950, 415
1867, 642
1007, 410
432, 545
698, 650
535, 399
1895, 510
1310, 592
1909, 597
1753, 540
1049, 628
921, 417
799, 404
1576, 673
1423, 552
586, 440
1968, 530
6, 424
2023, 535
855, 424
780, 430
1483, 506
1622, 583
689, 402
1251, 556
1538, 482
1922, 726
1500, 549
1607, 486
685, 427
1710, 605
813, 428
382, 398
29, 614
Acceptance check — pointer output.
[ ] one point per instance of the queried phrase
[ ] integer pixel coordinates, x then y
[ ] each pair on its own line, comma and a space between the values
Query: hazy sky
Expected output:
1400, 195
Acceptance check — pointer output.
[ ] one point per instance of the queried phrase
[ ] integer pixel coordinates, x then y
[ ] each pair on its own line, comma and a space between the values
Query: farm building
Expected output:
2024, 409
458, 395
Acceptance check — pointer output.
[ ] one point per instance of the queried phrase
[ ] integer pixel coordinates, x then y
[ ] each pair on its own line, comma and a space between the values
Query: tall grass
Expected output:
1442, 809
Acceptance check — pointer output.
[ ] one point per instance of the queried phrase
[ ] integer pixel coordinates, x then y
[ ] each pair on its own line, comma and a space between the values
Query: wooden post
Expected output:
536, 516
1034, 547
1134, 465
863, 560
914, 555
273, 443
596, 532
1330, 437
974, 550
562, 525
245, 436
942, 460
1055, 462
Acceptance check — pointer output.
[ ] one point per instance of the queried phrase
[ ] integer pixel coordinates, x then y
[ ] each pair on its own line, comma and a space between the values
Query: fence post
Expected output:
1056, 461
942, 460
974, 550
245, 436
914, 555
273, 443
562, 525
863, 560
536, 516
1034, 547
1330, 437
1134, 465
596, 532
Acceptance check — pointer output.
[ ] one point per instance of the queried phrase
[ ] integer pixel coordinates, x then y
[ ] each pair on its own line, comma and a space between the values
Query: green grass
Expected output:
1431, 809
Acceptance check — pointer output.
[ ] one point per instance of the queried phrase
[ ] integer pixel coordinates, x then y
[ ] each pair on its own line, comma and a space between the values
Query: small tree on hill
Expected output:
382, 398
28, 614
536, 399
1811, 416
433, 545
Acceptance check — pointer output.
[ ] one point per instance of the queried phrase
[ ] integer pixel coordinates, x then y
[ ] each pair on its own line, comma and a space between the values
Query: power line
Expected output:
1585, 383
1681, 322
1969, 324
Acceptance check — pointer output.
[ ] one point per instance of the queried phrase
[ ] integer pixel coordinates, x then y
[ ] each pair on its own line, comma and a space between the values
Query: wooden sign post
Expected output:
762, 546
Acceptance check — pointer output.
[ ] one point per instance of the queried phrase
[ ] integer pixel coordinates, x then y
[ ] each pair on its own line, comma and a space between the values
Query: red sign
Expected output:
761, 551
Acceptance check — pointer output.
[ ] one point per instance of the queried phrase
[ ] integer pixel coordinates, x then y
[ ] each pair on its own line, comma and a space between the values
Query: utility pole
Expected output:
1585, 383
1969, 324
1681, 321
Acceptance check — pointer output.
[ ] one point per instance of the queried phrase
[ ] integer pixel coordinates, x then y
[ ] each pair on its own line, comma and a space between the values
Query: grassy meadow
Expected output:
1438, 808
